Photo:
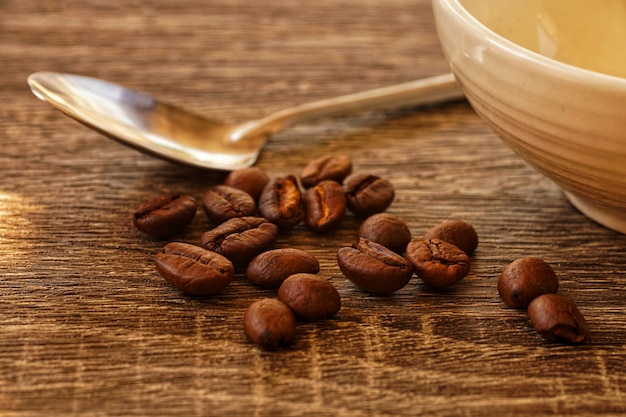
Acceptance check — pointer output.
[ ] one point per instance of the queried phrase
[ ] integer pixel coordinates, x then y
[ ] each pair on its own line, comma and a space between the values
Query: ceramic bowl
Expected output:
549, 76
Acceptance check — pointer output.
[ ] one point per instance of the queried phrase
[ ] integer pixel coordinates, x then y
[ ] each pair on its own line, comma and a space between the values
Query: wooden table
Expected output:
89, 328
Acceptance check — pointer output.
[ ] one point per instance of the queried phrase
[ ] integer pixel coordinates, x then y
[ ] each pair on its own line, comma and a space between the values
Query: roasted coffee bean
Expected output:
388, 230
557, 318
241, 238
194, 270
437, 263
524, 279
461, 234
310, 297
374, 268
222, 202
281, 202
330, 167
251, 180
367, 194
272, 267
325, 206
166, 215
269, 323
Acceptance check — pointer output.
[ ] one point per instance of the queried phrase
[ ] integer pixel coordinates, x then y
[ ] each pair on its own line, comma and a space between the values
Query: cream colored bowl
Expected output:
549, 76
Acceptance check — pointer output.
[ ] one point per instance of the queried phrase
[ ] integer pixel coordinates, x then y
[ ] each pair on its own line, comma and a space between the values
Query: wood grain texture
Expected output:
89, 328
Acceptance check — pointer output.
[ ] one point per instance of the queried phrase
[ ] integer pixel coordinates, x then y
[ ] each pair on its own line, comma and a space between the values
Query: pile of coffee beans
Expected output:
250, 209
531, 283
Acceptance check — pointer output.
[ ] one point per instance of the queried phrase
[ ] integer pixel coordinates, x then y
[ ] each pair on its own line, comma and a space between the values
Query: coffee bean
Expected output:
222, 202
166, 215
251, 180
524, 279
388, 230
374, 268
367, 194
437, 263
241, 238
269, 323
281, 202
557, 318
461, 234
272, 267
330, 167
194, 270
310, 297
325, 206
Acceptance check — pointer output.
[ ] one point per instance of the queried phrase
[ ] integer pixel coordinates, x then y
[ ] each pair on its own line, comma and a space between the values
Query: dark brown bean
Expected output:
222, 202
271, 268
310, 297
325, 206
166, 215
194, 270
251, 180
388, 230
269, 323
367, 194
557, 318
374, 268
330, 167
241, 238
281, 202
524, 279
437, 263
461, 234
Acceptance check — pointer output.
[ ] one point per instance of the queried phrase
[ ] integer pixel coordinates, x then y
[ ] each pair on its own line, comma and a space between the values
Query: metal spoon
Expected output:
138, 120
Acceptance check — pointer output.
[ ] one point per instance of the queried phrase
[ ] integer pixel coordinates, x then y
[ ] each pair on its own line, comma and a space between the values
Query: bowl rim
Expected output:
455, 7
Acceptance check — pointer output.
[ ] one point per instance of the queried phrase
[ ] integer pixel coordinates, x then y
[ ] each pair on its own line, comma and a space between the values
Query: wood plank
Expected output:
87, 325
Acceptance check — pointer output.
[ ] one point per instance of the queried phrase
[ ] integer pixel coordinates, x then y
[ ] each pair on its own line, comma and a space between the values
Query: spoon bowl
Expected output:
138, 120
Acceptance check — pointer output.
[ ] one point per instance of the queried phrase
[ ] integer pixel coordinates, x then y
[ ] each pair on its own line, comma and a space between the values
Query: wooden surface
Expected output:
89, 328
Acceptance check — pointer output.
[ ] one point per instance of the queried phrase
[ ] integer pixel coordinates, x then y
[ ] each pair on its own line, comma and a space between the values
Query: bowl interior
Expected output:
582, 33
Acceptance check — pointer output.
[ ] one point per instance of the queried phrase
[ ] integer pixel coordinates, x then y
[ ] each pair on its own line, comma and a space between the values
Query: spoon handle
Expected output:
431, 90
